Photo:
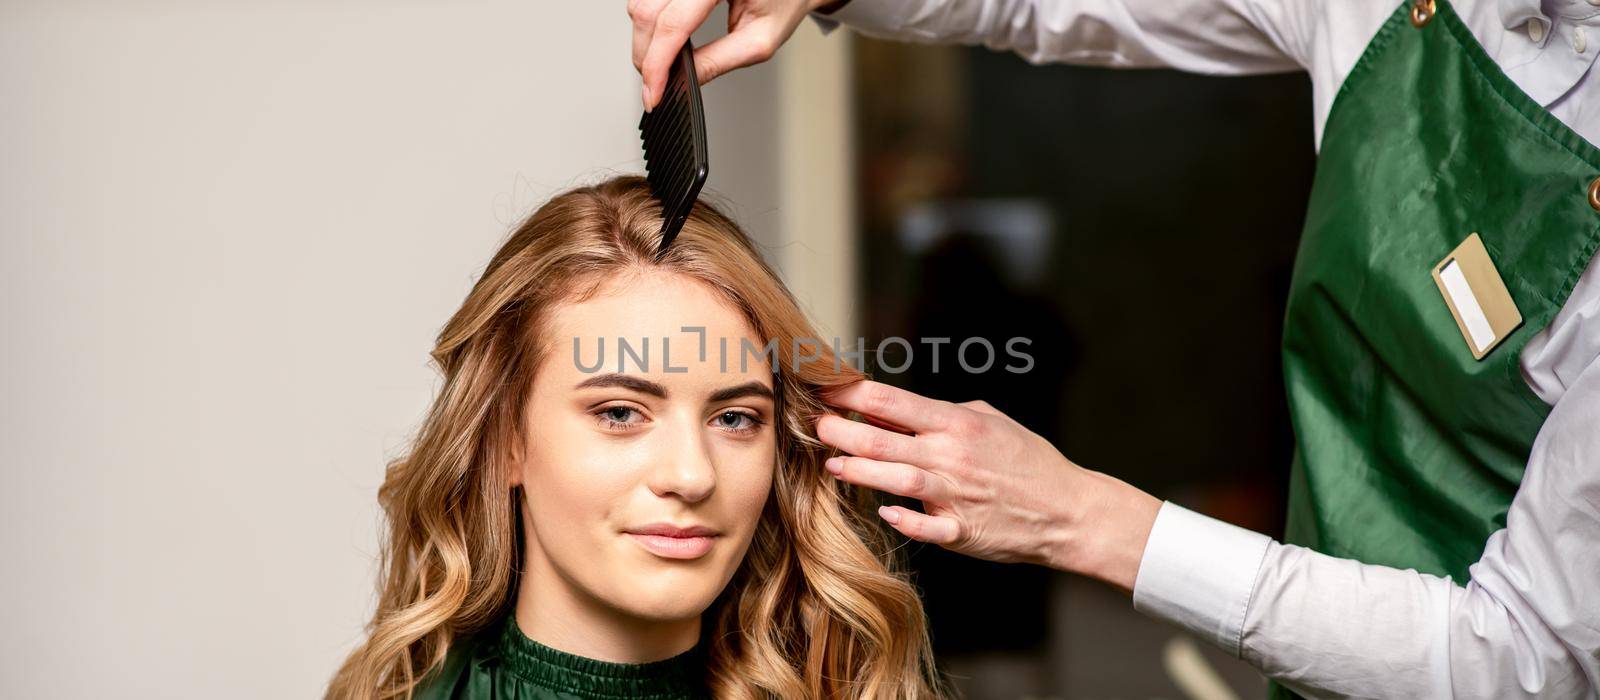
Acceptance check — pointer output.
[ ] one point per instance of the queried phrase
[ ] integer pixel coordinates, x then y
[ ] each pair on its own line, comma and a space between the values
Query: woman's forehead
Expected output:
655, 323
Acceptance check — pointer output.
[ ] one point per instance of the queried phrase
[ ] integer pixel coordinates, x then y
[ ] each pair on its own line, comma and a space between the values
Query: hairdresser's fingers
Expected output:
676, 21
891, 477
643, 14
894, 405
750, 43
936, 529
863, 440
886, 425
981, 407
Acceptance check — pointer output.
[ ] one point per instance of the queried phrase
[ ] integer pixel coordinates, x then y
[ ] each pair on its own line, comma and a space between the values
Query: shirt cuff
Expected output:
874, 16
1199, 573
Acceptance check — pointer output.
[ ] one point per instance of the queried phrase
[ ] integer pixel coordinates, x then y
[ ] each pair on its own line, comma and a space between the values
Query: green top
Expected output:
503, 664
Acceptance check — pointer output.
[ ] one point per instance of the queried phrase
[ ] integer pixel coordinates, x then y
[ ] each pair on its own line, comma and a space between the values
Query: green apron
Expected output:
1408, 450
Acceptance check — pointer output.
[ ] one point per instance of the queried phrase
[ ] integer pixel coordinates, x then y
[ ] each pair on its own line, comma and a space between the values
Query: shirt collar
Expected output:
1515, 14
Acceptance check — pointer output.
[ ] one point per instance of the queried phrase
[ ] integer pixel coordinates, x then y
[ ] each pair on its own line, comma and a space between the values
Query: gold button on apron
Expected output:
1421, 12
1594, 194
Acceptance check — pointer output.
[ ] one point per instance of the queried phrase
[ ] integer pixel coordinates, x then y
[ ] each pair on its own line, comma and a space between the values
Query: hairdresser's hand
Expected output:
756, 28
991, 488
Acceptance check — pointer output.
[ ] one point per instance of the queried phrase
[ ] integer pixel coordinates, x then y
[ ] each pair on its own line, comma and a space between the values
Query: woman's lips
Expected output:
674, 542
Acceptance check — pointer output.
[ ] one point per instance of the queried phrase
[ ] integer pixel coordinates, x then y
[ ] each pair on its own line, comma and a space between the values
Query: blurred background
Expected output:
1139, 227
229, 232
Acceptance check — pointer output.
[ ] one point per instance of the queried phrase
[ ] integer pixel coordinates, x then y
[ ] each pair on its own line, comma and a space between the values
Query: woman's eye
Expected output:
618, 417
736, 421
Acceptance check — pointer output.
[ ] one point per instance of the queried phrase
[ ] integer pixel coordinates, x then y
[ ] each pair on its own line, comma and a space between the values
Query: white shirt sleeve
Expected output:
1526, 625
1223, 37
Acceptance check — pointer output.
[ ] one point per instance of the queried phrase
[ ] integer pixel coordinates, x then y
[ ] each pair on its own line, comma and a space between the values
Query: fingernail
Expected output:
644, 96
889, 514
835, 465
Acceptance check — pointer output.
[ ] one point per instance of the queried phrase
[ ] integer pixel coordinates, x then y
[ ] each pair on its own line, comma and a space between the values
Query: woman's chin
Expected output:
660, 592
667, 604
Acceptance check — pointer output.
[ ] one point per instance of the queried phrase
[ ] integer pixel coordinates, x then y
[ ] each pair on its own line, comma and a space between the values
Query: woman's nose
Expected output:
684, 469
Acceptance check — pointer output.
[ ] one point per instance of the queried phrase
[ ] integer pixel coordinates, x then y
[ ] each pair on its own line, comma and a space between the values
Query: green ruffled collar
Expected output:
682, 676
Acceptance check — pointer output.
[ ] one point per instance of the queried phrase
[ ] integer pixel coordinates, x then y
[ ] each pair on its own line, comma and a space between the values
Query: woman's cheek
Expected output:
582, 470
751, 481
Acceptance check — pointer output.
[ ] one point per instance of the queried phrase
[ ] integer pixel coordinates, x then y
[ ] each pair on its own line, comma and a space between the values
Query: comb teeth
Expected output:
674, 136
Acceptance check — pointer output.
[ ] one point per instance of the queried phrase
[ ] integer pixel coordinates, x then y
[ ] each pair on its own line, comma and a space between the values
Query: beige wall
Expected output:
228, 233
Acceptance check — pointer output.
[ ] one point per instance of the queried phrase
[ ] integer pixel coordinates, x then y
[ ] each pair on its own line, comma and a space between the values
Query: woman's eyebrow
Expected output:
643, 386
741, 390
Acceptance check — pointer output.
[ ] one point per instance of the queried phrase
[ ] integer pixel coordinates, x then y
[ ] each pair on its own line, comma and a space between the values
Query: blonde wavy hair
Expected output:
814, 611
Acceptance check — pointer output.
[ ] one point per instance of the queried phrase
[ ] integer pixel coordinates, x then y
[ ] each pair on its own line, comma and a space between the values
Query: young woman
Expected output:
581, 519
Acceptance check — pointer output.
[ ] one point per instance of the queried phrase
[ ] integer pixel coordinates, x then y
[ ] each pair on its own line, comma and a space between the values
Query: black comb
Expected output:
674, 136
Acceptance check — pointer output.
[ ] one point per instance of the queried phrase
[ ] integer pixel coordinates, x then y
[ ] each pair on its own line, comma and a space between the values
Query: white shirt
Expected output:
1528, 623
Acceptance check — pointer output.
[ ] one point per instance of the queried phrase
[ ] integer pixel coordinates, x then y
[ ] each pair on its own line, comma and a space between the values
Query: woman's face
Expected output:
642, 488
